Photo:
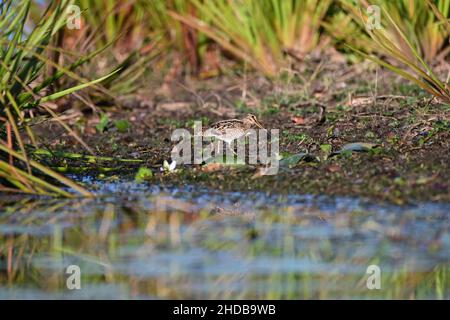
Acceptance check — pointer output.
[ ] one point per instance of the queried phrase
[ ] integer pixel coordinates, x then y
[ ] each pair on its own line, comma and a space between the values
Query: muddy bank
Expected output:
411, 162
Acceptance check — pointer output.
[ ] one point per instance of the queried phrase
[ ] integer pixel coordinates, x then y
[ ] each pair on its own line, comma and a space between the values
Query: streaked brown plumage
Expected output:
232, 129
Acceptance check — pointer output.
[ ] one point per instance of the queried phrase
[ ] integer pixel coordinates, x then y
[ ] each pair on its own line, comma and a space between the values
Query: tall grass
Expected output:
26, 86
260, 32
422, 26
136, 33
264, 33
117, 28
177, 37
412, 35
297, 23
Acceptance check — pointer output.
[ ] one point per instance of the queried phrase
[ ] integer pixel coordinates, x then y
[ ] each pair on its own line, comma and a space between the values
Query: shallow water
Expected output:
145, 242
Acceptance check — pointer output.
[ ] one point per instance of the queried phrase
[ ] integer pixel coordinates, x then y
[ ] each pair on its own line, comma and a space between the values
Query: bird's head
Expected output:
251, 120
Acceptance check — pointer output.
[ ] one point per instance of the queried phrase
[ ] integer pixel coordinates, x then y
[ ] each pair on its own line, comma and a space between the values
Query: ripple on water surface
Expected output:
142, 241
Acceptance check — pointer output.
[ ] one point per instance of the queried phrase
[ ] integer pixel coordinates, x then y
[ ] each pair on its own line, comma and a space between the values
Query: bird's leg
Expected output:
230, 148
207, 151
218, 147
213, 151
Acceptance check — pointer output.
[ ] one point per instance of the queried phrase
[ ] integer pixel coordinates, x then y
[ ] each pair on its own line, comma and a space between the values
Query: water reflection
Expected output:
140, 241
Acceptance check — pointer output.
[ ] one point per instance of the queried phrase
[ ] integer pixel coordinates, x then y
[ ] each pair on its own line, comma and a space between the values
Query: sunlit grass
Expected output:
260, 32
24, 86
411, 35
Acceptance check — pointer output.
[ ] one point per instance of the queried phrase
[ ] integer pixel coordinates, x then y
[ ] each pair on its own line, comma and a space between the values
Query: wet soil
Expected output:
412, 132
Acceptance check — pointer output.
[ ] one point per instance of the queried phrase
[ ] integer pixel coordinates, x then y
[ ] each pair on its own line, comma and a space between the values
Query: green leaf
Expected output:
122, 125
143, 174
101, 126
293, 160
63, 93
326, 148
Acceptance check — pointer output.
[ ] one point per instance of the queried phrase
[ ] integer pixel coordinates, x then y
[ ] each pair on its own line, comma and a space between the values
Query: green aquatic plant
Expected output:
410, 35
26, 87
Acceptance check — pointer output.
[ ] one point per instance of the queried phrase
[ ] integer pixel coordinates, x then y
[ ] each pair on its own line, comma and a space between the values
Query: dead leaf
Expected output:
360, 101
211, 167
334, 168
298, 120
173, 106
263, 171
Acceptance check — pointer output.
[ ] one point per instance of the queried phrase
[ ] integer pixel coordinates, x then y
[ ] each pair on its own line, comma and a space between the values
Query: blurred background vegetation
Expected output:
120, 42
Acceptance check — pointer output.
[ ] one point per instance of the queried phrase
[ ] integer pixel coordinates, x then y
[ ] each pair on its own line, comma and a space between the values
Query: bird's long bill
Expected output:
258, 124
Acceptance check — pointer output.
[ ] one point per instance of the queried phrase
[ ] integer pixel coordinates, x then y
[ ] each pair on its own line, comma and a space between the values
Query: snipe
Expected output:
232, 129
